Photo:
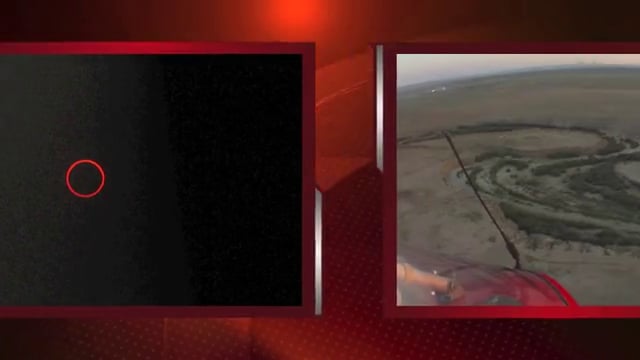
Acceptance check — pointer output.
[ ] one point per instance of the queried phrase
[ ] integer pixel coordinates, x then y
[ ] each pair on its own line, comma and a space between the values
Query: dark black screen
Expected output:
201, 203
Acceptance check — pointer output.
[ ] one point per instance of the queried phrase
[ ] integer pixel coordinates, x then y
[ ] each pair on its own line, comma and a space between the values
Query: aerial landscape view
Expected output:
550, 143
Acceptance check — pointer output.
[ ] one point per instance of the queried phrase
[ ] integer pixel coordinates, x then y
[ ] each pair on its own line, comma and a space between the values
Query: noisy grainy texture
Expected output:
203, 171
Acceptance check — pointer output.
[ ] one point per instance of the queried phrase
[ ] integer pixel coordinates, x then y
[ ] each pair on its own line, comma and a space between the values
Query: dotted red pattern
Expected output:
106, 339
352, 326
193, 339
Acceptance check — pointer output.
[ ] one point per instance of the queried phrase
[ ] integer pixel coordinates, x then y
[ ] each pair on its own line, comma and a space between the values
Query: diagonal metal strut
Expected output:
511, 248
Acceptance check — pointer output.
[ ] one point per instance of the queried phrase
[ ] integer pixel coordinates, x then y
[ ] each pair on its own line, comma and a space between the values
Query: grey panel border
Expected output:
318, 253
379, 106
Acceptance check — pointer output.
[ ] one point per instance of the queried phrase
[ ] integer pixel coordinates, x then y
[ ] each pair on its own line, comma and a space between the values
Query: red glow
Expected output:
94, 164
296, 17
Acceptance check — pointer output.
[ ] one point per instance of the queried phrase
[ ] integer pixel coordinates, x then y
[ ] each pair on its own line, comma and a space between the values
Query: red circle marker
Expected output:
94, 164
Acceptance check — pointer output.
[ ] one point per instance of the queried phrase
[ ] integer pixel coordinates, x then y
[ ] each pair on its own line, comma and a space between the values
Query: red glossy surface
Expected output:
482, 283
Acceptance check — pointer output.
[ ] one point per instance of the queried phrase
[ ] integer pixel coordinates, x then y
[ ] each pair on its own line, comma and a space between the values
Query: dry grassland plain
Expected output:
554, 154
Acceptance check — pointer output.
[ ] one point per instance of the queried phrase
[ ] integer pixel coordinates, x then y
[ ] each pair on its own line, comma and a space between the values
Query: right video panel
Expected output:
512, 176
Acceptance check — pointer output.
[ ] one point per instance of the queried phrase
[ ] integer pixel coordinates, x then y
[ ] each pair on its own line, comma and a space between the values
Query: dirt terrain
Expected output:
555, 156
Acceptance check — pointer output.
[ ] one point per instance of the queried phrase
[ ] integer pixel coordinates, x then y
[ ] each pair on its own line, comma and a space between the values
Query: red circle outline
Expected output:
94, 164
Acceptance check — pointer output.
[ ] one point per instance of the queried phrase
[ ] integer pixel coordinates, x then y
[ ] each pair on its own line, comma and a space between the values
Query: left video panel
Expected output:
157, 179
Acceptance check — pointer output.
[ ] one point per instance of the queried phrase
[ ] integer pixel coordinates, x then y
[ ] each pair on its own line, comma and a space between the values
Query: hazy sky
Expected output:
417, 68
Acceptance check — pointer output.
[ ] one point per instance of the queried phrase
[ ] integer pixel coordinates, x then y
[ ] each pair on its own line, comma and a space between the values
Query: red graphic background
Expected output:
352, 325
